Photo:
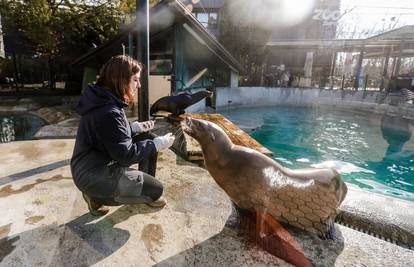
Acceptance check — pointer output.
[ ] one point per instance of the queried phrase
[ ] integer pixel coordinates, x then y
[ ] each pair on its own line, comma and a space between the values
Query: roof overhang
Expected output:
373, 47
397, 42
207, 38
164, 15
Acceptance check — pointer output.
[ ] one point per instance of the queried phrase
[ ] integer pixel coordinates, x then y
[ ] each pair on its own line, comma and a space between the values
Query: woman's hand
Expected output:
142, 127
164, 142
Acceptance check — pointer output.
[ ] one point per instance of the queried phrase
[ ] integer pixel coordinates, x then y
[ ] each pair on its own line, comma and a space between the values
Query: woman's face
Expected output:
134, 83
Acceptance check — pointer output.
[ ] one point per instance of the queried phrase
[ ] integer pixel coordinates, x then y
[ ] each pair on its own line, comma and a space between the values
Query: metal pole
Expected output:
142, 21
358, 69
400, 54
130, 45
385, 70
366, 82
174, 62
15, 72
332, 72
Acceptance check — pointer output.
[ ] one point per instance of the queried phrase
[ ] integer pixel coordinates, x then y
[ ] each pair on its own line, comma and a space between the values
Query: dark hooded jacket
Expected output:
104, 137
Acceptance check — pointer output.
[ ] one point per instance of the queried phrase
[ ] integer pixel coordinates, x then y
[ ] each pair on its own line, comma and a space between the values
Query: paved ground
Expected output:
45, 222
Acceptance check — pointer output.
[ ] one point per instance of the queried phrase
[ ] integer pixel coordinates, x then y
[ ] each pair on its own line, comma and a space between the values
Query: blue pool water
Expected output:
375, 153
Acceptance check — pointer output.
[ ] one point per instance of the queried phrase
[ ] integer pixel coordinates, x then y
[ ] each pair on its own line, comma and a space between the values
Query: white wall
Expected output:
159, 86
267, 96
199, 106
234, 79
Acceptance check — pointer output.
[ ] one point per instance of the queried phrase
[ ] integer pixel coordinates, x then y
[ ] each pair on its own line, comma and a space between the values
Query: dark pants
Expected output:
148, 165
127, 185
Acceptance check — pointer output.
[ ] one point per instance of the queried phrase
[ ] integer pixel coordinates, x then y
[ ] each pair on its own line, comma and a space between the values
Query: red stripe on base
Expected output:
273, 237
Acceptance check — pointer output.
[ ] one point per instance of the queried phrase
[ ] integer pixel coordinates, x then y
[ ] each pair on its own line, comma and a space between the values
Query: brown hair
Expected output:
116, 75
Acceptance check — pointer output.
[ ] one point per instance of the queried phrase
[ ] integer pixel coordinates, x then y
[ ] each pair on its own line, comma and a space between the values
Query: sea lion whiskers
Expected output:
178, 133
177, 130
187, 126
182, 144
197, 128
179, 137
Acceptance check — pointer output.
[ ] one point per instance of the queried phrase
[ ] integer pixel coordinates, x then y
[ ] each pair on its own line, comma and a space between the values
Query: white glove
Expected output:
164, 142
142, 127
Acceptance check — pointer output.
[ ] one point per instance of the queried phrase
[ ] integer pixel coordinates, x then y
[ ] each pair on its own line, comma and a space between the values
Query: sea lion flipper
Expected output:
330, 230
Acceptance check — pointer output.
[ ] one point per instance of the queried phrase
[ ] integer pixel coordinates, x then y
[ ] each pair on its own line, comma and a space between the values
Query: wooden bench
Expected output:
192, 150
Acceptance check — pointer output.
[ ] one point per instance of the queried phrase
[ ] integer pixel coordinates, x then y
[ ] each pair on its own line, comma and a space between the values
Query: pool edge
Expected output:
385, 217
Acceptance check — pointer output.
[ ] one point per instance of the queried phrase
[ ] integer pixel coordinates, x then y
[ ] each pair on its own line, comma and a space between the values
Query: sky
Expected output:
370, 17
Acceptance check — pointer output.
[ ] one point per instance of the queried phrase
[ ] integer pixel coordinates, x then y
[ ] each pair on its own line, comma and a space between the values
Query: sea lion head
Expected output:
205, 132
204, 93
208, 93
199, 96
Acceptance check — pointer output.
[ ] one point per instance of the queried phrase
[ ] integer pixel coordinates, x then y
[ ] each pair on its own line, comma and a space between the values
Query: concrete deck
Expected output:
45, 222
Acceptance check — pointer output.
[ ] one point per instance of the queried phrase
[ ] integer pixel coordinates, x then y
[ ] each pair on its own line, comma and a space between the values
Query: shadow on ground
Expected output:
234, 247
82, 240
25, 174
320, 252
87, 240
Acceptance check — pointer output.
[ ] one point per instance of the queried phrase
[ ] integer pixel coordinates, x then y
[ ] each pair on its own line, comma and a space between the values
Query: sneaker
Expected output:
159, 203
94, 208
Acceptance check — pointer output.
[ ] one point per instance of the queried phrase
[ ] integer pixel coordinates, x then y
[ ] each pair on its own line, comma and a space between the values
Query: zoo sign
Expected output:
326, 15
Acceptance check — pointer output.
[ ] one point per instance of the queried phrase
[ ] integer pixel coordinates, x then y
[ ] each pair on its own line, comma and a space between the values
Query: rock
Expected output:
19, 109
72, 122
26, 100
26, 104
55, 114
55, 131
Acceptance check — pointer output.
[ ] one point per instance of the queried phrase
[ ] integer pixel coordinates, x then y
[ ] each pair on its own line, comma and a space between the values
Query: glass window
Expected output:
212, 20
207, 19
161, 67
203, 19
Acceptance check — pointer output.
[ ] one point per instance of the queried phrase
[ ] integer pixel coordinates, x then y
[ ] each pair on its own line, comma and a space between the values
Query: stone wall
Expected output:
374, 102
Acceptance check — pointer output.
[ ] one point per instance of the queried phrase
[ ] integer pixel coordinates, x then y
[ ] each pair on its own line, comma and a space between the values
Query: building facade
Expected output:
183, 54
283, 66
207, 12
299, 66
321, 23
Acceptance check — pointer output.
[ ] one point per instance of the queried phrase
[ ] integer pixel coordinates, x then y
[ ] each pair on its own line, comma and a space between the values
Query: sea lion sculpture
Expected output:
178, 103
304, 198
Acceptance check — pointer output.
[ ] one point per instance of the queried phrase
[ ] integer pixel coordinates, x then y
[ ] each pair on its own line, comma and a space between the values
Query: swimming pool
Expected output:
375, 153
16, 127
